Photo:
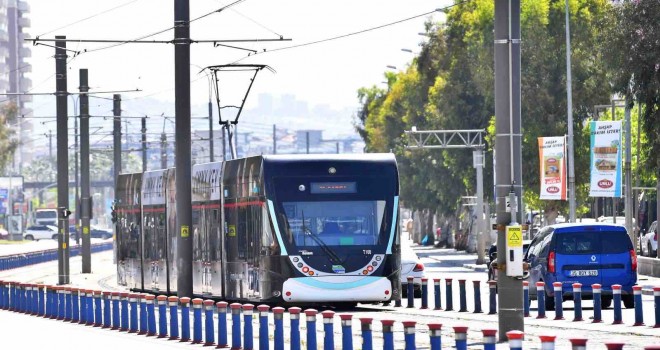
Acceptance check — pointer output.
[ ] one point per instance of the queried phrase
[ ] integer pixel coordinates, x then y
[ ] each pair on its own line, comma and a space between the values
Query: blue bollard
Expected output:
540, 299
41, 307
151, 315
278, 315
328, 330
489, 338
525, 299
559, 299
115, 310
173, 303
367, 339
515, 339
425, 293
656, 303
144, 327
248, 311
577, 301
209, 308
409, 334
388, 334
28, 299
197, 305
639, 316
346, 331
596, 292
98, 310
449, 295
460, 335
410, 292
294, 319
2, 293
578, 343
221, 307
436, 294
311, 328
235, 326
82, 306
547, 342
162, 316
184, 303
107, 299
616, 293
462, 296
435, 335
133, 302
68, 304
264, 342
492, 293
90, 307
476, 286
35, 298
61, 304
123, 299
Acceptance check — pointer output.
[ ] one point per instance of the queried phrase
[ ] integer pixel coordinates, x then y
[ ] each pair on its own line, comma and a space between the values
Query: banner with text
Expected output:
552, 160
605, 159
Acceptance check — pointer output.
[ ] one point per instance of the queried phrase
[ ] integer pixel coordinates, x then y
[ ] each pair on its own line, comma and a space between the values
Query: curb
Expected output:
475, 267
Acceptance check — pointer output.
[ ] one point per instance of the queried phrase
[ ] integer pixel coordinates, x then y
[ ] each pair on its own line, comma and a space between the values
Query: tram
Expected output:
296, 229
129, 211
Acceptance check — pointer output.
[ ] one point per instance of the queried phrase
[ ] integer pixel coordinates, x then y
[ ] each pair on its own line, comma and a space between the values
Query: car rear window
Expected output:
593, 242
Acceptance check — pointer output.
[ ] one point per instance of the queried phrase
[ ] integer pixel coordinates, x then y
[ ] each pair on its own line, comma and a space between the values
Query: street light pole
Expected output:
569, 106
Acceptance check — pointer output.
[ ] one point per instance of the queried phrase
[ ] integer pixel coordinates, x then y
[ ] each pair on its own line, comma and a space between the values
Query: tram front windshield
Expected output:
335, 223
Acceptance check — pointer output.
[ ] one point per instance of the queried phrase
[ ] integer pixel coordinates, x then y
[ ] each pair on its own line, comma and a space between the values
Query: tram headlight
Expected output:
332, 170
377, 258
300, 264
277, 293
301, 188
295, 259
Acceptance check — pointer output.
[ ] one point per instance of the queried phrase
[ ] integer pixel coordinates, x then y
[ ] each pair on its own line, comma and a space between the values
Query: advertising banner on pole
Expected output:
552, 160
605, 159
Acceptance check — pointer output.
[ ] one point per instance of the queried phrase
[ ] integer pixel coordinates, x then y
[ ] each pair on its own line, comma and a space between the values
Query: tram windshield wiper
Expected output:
331, 254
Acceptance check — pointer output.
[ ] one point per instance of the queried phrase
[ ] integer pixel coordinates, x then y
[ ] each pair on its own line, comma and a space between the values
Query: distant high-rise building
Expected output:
13, 54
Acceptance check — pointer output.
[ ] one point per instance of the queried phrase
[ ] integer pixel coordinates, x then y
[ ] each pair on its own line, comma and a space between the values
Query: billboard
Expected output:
552, 160
605, 158
11, 192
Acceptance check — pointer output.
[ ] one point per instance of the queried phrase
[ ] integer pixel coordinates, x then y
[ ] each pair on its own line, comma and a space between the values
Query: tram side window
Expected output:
197, 245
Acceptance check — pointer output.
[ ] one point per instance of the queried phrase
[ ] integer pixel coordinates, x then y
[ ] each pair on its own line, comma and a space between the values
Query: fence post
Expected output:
540, 299
311, 329
264, 343
436, 294
489, 338
173, 303
449, 295
98, 309
388, 334
460, 335
329, 336
90, 308
346, 331
435, 335
616, 293
124, 311
115, 310
409, 334
462, 296
294, 319
60, 300
209, 308
559, 299
547, 342
107, 308
68, 313
367, 339
222, 323
40, 291
248, 311
596, 292
515, 339
656, 303
235, 326
577, 301
639, 315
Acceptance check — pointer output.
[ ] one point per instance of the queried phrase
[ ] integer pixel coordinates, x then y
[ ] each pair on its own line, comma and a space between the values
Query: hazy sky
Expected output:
326, 73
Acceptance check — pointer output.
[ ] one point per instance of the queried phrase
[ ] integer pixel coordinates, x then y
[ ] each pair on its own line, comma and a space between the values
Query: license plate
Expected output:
578, 273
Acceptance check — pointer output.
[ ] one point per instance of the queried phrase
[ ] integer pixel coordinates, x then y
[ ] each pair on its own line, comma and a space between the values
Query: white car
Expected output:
38, 232
648, 242
411, 266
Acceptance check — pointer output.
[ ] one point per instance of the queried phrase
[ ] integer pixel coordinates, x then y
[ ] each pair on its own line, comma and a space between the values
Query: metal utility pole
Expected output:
50, 144
144, 144
62, 161
508, 147
211, 156
182, 152
274, 139
163, 151
307, 141
76, 195
569, 100
627, 167
116, 134
85, 205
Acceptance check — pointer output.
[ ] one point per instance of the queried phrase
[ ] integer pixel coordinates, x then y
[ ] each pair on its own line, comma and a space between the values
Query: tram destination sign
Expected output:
333, 187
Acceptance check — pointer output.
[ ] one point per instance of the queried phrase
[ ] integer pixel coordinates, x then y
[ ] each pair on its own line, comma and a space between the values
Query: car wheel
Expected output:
549, 302
54, 237
29, 238
605, 302
628, 301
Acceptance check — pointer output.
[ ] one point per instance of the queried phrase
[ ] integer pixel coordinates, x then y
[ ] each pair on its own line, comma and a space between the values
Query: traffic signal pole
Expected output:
62, 161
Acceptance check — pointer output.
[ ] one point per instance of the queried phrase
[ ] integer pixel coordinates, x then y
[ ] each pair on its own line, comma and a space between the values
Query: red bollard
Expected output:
615, 345
578, 343
547, 342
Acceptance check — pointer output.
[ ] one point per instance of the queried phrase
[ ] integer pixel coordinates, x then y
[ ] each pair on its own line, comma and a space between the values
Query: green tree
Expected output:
8, 143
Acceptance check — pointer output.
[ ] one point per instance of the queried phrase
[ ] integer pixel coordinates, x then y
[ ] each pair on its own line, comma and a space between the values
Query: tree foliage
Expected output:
8, 143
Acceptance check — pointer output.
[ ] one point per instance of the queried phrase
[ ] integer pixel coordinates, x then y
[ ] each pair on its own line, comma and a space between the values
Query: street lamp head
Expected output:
391, 67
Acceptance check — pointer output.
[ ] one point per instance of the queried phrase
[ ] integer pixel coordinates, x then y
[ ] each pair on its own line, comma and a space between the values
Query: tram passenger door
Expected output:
215, 250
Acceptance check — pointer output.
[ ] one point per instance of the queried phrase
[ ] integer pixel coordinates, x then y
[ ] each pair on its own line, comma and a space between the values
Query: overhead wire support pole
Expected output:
458, 139
144, 144
85, 205
569, 106
116, 141
182, 147
62, 162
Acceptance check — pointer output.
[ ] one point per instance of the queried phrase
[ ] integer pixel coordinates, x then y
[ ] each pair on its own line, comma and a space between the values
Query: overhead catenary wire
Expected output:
88, 17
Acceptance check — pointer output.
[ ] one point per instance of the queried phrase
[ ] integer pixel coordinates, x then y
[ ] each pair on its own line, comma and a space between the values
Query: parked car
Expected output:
585, 253
648, 242
492, 256
94, 232
37, 232
4, 234
411, 266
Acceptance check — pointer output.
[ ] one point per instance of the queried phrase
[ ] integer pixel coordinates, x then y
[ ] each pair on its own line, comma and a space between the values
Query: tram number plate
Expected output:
578, 273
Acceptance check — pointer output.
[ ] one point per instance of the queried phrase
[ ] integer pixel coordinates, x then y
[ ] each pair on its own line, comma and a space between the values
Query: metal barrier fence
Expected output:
14, 261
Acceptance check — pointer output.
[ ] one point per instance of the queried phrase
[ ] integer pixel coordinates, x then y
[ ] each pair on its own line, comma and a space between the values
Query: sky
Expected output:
328, 73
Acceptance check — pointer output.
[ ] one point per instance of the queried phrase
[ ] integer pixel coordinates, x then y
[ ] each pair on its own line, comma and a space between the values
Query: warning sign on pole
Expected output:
514, 236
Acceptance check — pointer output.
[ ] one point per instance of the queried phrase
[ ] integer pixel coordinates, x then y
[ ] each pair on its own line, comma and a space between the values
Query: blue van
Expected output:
584, 253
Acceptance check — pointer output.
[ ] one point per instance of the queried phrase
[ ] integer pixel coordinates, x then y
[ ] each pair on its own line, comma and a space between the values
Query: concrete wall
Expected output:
648, 266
